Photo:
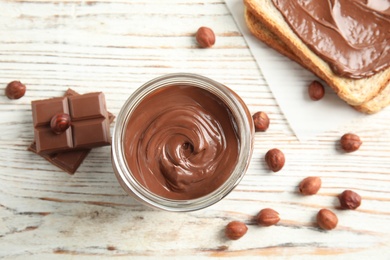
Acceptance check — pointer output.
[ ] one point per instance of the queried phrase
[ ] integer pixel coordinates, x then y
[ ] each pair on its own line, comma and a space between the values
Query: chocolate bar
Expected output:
89, 128
67, 161
71, 160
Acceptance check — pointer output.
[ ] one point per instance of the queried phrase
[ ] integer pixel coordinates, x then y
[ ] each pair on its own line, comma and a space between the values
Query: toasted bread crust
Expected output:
380, 101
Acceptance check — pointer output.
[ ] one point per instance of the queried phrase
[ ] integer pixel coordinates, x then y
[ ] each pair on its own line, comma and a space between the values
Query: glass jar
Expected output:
243, 126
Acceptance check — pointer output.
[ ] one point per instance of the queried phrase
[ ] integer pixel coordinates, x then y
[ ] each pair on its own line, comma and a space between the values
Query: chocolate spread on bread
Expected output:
352, 36
181, 142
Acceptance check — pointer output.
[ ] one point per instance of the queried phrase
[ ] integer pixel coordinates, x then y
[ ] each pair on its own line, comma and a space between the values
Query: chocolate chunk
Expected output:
67, 161
71, 160
90, 125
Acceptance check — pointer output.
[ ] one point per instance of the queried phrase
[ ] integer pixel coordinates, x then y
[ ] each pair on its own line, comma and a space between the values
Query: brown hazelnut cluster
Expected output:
274, 158
326, 219
266, 217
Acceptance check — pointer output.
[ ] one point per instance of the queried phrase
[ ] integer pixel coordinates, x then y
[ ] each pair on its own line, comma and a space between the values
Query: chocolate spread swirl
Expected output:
181, 142
352, 36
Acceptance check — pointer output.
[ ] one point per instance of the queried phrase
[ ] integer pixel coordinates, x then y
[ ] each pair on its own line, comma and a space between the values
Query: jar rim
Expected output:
244, 129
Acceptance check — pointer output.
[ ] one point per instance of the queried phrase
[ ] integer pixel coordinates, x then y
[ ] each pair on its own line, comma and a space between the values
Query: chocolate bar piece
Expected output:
67, 161
89, 128
71, 160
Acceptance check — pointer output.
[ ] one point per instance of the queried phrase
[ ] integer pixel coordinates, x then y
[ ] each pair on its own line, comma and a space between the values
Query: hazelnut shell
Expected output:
267, 217
310, 185
326, 219
316, 90
205, 37
275, 159
59, 123
235, 230
350, 142
15, 90
349, 200
261, 121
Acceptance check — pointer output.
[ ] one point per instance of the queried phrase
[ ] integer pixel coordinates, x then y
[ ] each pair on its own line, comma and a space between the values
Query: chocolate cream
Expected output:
181, 142
352, 36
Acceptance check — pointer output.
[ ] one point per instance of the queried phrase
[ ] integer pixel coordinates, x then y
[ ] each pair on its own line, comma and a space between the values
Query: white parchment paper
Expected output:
288, 83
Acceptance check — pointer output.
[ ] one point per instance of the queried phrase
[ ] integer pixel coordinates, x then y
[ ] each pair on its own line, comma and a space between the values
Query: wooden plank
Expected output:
116, 46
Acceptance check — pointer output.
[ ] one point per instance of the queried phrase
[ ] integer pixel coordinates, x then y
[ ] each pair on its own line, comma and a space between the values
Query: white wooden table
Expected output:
116, 46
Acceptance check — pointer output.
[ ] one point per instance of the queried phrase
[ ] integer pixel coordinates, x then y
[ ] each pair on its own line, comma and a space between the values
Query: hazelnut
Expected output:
350, 142
60, 122
261, 121
15, 90
310, 185
267, 217
349, 200
235, 230
326, 219
205, 37
316, 90
275, 159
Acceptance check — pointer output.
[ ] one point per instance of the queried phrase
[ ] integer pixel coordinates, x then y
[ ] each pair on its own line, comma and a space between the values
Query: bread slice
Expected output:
260, 31
377, 103
354, 91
